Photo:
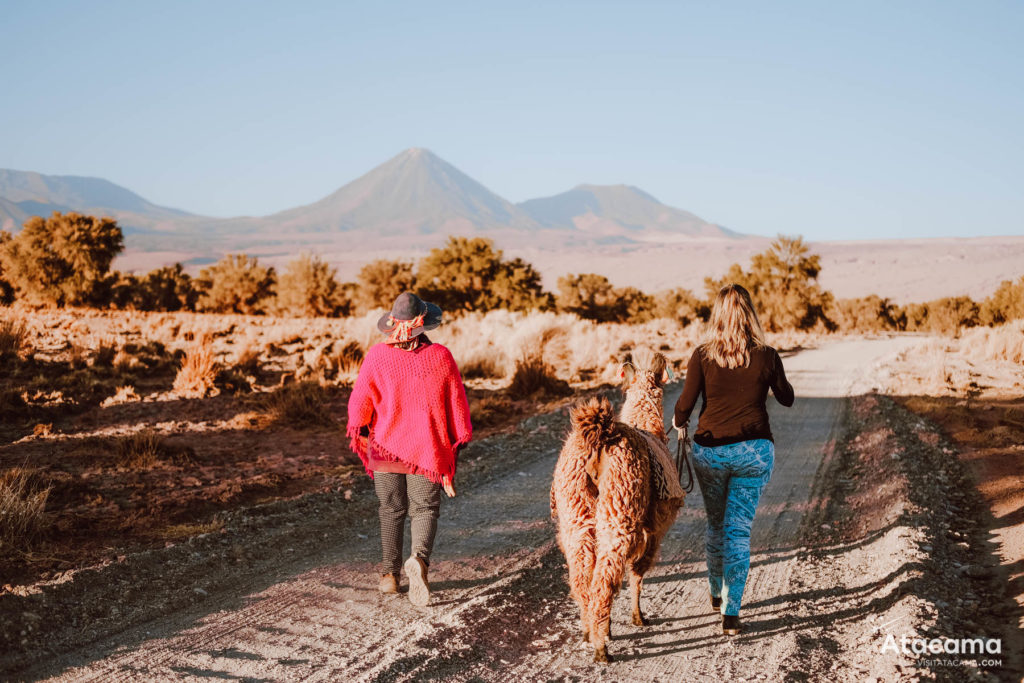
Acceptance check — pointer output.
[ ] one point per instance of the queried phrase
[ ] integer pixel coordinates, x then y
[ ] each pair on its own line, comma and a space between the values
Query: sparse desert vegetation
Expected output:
211, 393
141, 426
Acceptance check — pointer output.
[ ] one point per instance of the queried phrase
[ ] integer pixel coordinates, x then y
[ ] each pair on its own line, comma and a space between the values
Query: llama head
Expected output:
646, 364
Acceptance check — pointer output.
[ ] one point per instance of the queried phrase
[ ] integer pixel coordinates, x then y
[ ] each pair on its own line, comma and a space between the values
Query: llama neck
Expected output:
642, 408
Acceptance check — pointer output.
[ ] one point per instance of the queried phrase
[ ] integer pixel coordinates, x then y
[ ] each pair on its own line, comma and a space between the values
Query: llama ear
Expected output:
627, 371
669, 375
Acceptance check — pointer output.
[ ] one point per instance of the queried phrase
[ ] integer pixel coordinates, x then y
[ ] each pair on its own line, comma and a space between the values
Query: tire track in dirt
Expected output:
501, 609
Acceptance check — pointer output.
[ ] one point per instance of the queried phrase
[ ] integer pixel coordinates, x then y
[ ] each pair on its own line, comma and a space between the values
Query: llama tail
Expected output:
594, 421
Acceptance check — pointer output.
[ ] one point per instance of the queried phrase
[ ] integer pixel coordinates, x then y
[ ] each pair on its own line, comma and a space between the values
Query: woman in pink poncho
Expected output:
407, 418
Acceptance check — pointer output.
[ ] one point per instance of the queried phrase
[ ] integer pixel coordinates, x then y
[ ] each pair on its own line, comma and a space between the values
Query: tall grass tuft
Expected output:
535, 377
22, 507
13, 338
140, 451
198, 372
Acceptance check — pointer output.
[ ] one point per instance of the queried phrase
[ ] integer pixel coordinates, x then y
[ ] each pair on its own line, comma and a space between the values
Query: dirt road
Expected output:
501, 609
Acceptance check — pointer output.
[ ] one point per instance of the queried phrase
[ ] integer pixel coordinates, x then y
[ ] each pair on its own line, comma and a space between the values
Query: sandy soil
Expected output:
287, 592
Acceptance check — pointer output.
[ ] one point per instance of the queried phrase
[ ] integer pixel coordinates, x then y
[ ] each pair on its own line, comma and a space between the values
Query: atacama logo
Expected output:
914, 645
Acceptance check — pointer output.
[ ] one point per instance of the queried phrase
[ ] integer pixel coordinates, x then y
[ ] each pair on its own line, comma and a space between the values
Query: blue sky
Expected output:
835, 120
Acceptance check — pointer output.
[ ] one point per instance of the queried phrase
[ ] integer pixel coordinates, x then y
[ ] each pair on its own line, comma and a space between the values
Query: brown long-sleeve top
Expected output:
734, 398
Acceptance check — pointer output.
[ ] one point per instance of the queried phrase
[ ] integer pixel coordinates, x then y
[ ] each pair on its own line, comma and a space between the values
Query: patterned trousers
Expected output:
731, 479
401, 495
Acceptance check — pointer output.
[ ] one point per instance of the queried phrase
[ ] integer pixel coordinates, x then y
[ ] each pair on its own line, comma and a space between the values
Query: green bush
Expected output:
235, 284
62, 260
469, 274
589, 296
308, 288
380, 282
679, 304
783, 283
1005, 304
867, 314
168, 289
593, 297
944, 316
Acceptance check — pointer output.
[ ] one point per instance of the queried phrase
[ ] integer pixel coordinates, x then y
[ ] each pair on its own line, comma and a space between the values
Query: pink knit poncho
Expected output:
415, 405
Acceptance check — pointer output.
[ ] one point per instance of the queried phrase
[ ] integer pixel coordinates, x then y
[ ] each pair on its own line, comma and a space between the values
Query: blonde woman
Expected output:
733, 449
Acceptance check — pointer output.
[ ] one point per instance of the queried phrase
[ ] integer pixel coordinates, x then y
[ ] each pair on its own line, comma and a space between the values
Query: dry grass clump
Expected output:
140, 451
1003, 342
348, 360
13, 338
299, 405
22, 507
198, 373
579, 350
983, 360
535, 377
484, 366
124, 394
146, 449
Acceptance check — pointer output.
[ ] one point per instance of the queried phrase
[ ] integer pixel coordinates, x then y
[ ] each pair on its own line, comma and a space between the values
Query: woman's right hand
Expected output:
448, 486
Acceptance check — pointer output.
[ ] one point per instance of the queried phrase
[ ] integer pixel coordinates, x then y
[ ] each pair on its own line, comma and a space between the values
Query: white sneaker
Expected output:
419, 589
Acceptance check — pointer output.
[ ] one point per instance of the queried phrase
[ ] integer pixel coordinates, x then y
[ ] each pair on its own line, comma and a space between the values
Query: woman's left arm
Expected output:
781, 387
458, 408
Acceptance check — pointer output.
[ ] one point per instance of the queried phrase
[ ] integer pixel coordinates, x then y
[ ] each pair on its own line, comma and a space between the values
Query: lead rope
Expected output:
682, 458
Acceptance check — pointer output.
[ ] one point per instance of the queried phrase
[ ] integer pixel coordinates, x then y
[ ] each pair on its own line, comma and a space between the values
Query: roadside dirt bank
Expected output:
904, 518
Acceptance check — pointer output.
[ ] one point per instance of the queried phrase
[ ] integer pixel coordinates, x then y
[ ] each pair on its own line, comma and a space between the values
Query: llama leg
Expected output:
609, 567
579, 556
662, 520
636, 582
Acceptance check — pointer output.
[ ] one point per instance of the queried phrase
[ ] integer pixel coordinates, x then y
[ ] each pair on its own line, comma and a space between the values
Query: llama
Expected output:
614, 495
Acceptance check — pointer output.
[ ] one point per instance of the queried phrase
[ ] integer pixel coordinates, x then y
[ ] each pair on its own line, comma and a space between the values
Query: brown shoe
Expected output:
388, 584
419, 589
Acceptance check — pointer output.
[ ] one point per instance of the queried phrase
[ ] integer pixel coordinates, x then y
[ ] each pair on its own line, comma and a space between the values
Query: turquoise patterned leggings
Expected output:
731, 479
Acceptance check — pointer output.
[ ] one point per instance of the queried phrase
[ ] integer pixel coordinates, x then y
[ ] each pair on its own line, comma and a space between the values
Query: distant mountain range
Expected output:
414, 200
24, 194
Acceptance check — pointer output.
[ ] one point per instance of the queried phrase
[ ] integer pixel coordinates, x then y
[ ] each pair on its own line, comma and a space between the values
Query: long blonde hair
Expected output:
733, 329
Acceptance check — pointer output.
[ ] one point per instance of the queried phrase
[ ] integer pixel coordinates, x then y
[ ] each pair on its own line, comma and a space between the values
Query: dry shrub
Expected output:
140, 451
349, 358
233, 381
13, 338
22, 507
533, 376
1002, 342
198, 373
299, 405
106, 352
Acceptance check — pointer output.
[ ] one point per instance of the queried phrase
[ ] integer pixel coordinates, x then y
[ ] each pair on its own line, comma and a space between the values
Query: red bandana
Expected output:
403, 328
